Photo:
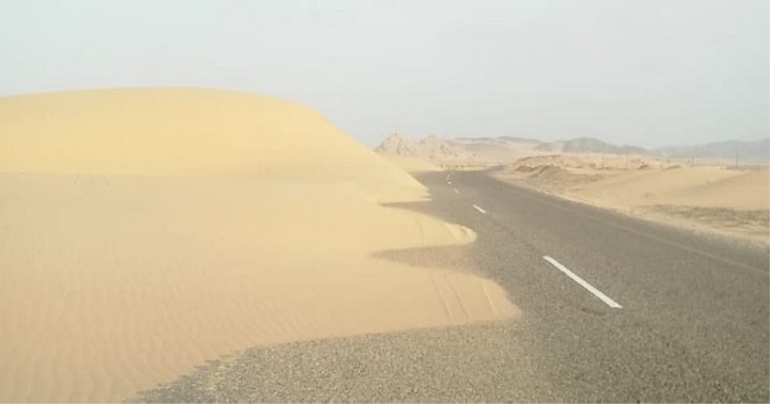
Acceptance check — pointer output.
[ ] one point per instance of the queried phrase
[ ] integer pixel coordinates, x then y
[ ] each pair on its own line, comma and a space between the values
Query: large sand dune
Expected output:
185, 132
143, 232
412, 164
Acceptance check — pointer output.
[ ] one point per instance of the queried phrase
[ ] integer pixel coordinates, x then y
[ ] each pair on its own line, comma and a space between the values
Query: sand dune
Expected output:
650, 186
709, 198
143, 232
412, 164
185, 132
742, 190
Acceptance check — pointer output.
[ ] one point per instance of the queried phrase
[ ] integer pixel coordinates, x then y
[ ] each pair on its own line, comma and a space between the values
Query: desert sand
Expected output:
144, 232
412, 164
714, 199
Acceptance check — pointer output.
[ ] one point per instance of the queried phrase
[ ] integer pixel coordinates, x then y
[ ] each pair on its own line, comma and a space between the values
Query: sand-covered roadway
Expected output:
203, 245
691, 326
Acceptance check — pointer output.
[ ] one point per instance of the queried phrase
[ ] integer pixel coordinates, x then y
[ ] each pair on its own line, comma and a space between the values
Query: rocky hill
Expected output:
431, 148
757, 152
507, 149
588, 145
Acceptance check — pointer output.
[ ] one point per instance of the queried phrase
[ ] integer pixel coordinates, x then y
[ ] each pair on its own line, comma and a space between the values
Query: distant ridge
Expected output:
431, 148
510, 148
757, 152
588, 145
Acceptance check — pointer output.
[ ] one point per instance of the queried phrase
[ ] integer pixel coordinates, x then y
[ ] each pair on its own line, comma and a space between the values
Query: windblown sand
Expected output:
412, 164
143, 232
715, 199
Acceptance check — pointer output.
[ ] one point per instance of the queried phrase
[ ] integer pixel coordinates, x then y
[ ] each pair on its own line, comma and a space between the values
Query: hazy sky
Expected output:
648, 73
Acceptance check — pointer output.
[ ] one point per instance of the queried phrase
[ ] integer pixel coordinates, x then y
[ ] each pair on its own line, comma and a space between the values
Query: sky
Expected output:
643, 72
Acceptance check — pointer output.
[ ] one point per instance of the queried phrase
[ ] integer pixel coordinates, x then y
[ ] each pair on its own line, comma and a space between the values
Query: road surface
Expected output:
694, 316
614, 309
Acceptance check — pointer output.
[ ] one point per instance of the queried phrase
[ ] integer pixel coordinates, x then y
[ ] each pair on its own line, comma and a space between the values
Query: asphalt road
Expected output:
694, 318
693, 322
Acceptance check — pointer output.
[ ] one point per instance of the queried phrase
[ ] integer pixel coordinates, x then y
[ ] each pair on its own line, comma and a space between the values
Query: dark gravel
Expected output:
458, 364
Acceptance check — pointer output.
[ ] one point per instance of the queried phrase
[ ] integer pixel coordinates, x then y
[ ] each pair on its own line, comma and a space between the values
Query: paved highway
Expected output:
614, 309
678, 316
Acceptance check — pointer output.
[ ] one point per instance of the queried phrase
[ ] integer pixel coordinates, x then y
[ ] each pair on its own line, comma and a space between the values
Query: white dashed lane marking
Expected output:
583, 283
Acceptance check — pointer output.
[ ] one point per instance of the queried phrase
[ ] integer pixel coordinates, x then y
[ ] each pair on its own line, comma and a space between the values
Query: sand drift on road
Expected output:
146, 231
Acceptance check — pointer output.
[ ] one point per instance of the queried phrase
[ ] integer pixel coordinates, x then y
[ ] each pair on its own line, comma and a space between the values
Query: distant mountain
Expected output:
588, 145
757, 152
477, 149
508, 149
497, 140
432, 148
